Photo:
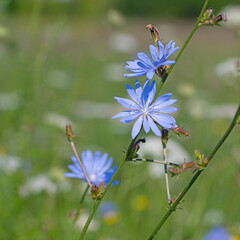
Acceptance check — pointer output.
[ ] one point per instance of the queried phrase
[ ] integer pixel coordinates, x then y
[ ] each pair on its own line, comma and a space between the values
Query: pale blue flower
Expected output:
145, 66
217, 233
96, 166
146, 112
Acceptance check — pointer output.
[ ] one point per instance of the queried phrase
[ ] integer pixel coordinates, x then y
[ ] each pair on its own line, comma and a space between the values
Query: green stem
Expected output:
80, 205
183, 47
97, 203
194, 178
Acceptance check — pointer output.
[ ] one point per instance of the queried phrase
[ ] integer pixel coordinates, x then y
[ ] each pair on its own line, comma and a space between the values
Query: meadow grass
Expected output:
54, 66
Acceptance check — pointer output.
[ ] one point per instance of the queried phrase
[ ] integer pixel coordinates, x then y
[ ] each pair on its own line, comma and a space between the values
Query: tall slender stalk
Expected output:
80, 204
97, 203
166, 172
195, 177
183, 47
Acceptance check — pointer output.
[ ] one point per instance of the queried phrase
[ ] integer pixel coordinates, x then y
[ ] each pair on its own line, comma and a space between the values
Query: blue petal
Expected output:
106, 167
164, 120
145, 92
130, 118
138, 89
132, 64
72, 175
126, 102
168, 110
167, 47
161, 49
134, 74
154, 127
101, 162
137, 127
153, 52
145, 58
152, 91
144, 66
150, 74
162, 98
161, 105
122, 114
131, 93
146, 126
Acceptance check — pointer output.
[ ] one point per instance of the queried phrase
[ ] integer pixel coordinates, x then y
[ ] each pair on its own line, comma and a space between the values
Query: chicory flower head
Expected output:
145, 66
148, 113
96, 166
217, 233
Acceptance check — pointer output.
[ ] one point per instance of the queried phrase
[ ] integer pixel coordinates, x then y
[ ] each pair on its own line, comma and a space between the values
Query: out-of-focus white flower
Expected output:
56, 119
113, 72
214, 217
186, 90
9, 164
37, 184
123, 42
233, 15
87, 109
153, 148
203, 109
10, 101
115, 17
228, 70
94, 225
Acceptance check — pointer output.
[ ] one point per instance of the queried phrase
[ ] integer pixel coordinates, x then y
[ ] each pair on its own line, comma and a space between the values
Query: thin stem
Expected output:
195, 177
166, 172
97, 203
155, 161
183, 47
80, 204
80, 163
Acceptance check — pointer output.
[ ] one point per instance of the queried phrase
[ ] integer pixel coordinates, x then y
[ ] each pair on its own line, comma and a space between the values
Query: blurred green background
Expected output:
62, 61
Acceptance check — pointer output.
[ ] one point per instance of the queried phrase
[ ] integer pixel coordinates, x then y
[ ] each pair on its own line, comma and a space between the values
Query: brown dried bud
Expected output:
218, 18
179, 131
174, 171
154, 32
69, 132
164, 136
191, 164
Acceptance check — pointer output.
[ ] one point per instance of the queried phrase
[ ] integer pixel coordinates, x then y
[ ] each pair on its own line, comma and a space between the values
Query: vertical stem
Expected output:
166, 172
183, 47
80, 205
195, 177
97, 203
80, 163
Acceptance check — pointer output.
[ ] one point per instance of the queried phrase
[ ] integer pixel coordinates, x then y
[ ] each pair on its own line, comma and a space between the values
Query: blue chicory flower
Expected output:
217, 233
145, 66
97, 168
148, 113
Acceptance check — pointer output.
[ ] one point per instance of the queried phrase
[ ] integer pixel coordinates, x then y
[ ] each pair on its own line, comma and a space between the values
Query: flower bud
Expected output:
154, 32
191, 164
179, 131
96, 192
207, 14
164, 136
174, 171
219, 18
69, 132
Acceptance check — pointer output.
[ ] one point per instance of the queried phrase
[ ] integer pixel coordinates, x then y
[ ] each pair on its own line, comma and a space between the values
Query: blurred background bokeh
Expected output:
62, 61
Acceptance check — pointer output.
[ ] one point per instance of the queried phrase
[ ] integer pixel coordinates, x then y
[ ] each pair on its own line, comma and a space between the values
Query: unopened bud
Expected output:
207, 14
96, 192
219, 18
191, 164
69, 132
179, 131
154, 32
174, 171
164, 136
